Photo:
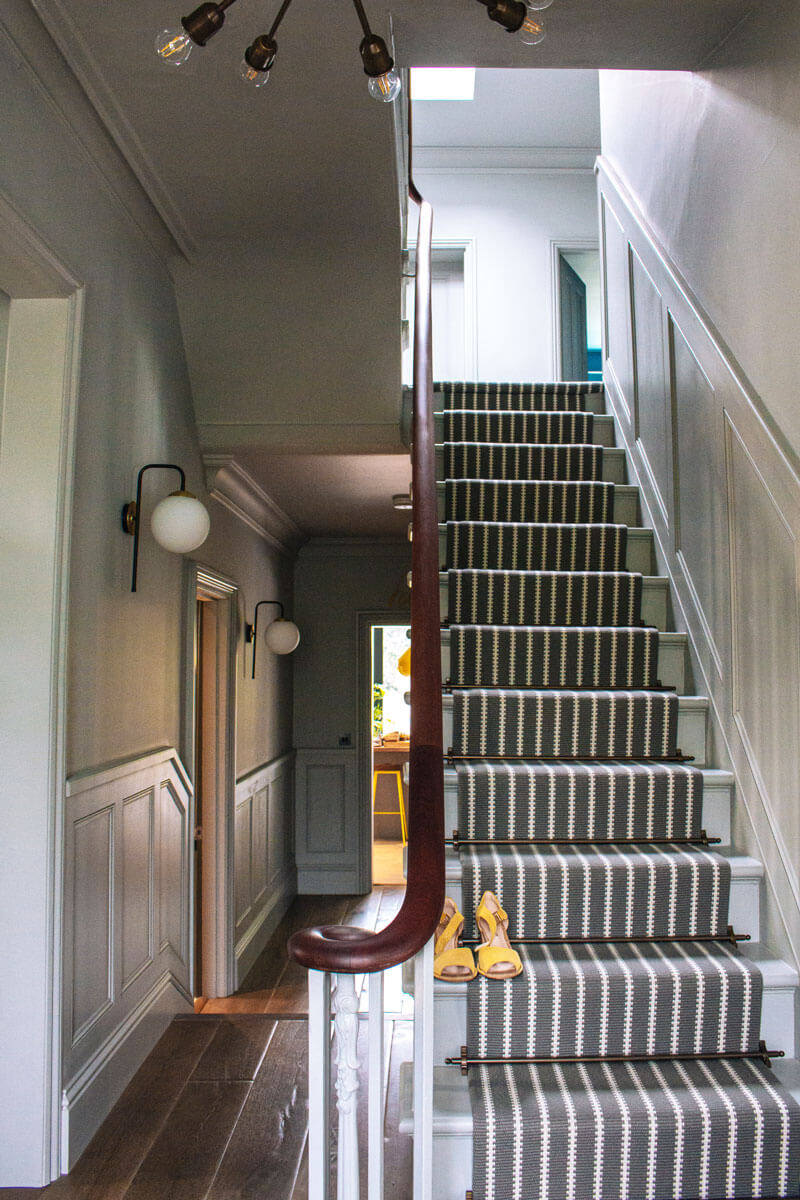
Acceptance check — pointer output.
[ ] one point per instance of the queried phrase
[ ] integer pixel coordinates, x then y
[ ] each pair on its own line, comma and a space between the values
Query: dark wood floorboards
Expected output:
218, 1109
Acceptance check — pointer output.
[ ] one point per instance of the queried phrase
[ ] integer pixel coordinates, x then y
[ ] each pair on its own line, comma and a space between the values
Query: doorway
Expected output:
577, 310
390, 721
453, 300
209, 732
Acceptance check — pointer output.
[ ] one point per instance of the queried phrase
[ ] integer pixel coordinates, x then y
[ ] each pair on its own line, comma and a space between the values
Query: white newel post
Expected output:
345, 1006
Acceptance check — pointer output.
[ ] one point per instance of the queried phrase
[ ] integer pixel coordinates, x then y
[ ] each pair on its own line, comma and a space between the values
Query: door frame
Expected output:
202, 583
49, 312
557, 247
469, 246
364, 621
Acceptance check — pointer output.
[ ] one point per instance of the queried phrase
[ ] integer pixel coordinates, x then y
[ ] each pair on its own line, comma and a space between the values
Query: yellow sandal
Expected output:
451, 962
496, 957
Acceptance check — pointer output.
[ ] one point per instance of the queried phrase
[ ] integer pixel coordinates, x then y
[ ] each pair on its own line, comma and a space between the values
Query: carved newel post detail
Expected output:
346, 1024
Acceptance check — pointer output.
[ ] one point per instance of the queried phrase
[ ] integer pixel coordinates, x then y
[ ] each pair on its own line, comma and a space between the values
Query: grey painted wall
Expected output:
713, 159
512, 219
702, 264
334, 581
61, 173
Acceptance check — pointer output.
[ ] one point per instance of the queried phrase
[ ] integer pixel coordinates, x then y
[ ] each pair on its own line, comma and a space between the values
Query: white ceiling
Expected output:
283, 202
516, 108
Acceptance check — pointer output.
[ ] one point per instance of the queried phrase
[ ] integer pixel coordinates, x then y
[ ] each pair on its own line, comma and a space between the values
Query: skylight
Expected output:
442, 83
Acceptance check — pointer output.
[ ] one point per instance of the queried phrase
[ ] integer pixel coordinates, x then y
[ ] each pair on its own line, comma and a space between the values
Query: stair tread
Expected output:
775, 972
742, 866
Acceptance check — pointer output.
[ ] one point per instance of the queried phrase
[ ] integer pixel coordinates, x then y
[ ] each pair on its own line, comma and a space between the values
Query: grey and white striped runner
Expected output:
552, 656
629, 891
630, 1131
543, 396
476, 425
544, 597
528, 500
509, 723
618, 998
501, 460
532, 546
626, 801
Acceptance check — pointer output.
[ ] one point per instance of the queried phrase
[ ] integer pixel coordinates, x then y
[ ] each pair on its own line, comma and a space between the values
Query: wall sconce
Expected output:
179, 522
282, 636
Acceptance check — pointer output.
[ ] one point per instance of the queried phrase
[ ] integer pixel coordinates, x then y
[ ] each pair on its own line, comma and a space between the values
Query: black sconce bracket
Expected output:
251, 631
131, 510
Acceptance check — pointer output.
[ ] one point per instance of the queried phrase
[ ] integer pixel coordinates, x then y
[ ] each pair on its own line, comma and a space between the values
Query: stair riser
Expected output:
625, 507
655, 601
692, 721
639, 555
497, 395
614, 468
743, 908
717, 799
602, 431
671, 660
450, 1020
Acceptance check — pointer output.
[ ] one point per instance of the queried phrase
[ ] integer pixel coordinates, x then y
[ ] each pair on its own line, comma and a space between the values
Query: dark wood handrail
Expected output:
347, 949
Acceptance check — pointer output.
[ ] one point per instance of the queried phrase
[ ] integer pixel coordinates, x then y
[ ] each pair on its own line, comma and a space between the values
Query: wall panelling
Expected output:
127, 916
724, 500
264, 874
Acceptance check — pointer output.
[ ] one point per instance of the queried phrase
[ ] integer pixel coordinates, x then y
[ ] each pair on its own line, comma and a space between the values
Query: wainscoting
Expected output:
127, 919
722, 492
264, 875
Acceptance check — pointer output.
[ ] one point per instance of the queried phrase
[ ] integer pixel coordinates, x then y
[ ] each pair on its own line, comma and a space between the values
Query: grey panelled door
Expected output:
572, 291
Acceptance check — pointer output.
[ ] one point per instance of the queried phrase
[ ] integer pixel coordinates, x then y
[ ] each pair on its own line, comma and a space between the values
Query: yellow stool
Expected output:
391, 812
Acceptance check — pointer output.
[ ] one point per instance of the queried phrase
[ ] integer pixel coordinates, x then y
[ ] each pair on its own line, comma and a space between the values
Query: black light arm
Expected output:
131, 511
508, 13
374, 54
251, 631
260, 54
205, 21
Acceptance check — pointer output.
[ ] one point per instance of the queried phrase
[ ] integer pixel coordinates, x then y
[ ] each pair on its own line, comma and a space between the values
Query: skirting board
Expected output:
88, 1099
264, 925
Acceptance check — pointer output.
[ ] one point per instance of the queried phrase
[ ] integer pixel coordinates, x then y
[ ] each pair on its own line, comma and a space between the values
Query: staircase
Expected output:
625, 1060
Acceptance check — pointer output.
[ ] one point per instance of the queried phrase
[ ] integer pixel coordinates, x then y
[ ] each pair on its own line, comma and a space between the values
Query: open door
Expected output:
572, 293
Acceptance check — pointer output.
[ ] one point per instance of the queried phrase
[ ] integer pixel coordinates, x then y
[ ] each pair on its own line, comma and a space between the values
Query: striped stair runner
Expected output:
576, 809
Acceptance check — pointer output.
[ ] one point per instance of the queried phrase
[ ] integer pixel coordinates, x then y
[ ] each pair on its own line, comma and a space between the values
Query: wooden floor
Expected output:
218, 1109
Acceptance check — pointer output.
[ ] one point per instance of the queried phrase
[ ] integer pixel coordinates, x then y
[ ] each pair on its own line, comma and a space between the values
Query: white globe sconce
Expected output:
179, 522
281, 636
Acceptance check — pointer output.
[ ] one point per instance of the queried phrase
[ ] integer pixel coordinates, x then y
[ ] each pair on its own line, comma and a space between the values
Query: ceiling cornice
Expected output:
235, 489
64, 33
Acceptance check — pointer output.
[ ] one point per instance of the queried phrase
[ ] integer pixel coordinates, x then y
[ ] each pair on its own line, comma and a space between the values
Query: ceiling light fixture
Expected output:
175, 45
519, 18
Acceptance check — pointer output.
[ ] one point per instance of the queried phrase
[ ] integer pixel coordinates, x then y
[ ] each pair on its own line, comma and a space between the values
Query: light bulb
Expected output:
282, 636
538, 5
174, 46
180, 522
251, 75
384, 87
531, 31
